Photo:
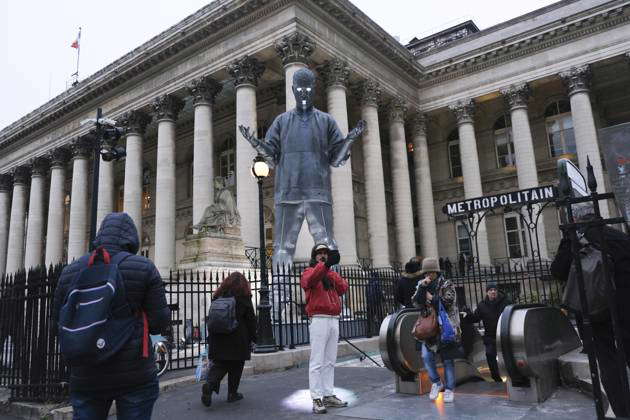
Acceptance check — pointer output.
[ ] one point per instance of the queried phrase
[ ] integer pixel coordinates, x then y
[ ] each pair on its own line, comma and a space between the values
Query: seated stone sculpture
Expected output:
222, 213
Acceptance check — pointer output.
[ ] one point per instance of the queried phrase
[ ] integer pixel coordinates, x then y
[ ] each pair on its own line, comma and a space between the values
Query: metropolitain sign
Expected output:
514, 198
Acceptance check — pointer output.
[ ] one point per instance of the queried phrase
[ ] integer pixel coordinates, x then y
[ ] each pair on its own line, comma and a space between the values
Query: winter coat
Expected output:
320, 301
237, 345
488, 311
145, 292
442, 290
405, 289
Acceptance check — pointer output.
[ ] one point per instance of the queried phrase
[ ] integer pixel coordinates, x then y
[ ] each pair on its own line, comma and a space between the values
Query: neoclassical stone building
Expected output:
459, 114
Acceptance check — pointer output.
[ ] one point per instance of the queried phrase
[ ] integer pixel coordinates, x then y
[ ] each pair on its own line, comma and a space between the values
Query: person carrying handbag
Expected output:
438, 293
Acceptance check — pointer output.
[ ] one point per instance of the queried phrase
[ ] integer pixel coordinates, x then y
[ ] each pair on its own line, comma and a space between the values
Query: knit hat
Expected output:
430, 265
491, 286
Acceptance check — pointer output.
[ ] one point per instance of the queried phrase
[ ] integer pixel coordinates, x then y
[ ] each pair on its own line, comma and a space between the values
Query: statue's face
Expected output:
303, 92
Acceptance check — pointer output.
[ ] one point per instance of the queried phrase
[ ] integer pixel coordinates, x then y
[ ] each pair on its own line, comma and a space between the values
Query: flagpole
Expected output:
78, 54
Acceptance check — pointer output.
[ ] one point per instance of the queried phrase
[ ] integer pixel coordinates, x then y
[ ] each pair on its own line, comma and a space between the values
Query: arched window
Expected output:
504, 145
559, 124
454, 160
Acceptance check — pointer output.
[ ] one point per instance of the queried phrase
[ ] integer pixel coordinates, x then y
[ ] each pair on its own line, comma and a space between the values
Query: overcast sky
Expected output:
36, 35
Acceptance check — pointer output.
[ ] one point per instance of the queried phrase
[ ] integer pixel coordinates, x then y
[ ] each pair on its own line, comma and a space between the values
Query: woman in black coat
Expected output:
228, 352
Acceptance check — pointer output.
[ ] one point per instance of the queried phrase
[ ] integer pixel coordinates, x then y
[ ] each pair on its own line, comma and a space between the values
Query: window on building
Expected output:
515, 236
454, 159
559, 124
146, 188
464, 243
227, 162
504, 145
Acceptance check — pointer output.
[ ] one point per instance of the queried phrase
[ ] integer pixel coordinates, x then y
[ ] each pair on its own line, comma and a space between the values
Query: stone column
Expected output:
577, 81
135, 123
295, 50
369, 92
516, 97
203, 90
5, 211
246, 71
105, 201
335, 74
464, 113
403, 213
77, 236
34, 254
424, 188
165, 109
56, 206
15, 251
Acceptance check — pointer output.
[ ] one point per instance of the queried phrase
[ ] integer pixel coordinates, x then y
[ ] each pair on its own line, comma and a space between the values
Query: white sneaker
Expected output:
449, 396
435, 391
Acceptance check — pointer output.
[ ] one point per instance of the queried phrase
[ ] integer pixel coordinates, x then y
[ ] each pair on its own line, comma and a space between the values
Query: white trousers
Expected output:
324, 331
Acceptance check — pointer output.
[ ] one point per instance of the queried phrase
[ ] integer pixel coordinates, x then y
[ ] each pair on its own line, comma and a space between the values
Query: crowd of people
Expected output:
126, 371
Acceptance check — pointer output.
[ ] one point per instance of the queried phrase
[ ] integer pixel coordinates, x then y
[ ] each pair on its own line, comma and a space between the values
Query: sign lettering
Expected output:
514, 198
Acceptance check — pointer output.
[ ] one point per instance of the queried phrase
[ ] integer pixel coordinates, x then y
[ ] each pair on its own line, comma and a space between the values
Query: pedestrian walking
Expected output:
128, 375
229, 351
618, 244
323, 288
408, 281
488, 311
436, 291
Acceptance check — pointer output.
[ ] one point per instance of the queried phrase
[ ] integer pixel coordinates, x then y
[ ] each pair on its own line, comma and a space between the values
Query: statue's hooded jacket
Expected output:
302, 148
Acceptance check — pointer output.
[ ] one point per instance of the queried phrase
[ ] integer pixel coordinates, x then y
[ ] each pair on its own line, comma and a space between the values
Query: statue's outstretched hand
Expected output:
357, 131
251, 139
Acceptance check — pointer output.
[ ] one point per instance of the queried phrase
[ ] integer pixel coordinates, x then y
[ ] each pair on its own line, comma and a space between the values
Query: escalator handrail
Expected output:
391, 342
506, 343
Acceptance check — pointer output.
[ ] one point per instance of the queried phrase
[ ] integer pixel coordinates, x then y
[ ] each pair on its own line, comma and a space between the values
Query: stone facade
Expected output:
541, 86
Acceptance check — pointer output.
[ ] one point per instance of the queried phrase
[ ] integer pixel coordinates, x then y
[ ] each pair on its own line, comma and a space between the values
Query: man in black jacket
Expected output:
127, 377
407, 283
618, 244
489, 310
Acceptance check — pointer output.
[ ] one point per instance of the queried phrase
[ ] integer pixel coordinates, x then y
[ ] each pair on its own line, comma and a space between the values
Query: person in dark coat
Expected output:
228, 352
407, 283
618, 244
375, 300
127, 377
448, 267
489, 310
461, 264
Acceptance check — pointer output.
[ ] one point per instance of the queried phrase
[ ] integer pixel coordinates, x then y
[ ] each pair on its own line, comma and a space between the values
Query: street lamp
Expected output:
266, 342
104, 136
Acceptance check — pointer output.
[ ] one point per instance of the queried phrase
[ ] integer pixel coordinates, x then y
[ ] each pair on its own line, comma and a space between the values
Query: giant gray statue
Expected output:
302, 144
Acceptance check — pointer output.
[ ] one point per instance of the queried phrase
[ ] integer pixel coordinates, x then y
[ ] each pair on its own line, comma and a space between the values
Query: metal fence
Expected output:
30, 360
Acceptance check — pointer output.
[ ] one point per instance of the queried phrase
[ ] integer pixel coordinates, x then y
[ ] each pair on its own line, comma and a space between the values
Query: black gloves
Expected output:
333, 258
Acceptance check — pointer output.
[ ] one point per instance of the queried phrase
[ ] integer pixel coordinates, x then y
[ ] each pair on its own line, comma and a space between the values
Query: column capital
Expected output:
39, 166
6, 182
396, 110
516, 96
577, 79
246, 70
204, 90
59, 157
135, 121
464, 111
81, 147
335, 72
295, 48
21, 175
418, 123
368, 92
167, 107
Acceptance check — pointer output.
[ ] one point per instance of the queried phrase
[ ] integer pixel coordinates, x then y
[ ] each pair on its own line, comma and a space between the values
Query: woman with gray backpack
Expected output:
231, 331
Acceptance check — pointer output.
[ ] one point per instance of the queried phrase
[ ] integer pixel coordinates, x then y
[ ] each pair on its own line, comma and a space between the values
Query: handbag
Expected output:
426, 325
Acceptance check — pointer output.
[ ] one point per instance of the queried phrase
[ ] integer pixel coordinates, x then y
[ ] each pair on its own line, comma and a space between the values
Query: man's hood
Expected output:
118, 233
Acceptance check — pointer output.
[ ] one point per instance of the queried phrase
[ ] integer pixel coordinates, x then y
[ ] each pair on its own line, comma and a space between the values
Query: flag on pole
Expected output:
76, 42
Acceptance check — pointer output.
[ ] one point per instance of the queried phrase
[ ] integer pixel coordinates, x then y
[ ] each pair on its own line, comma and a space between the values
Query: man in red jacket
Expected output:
323, 288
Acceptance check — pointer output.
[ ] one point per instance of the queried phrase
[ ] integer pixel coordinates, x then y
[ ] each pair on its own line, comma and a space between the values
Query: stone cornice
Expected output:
527, 44
516, 96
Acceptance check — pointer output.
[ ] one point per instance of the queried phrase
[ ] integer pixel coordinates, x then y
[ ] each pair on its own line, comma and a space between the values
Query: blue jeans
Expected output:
429, 363
131, 404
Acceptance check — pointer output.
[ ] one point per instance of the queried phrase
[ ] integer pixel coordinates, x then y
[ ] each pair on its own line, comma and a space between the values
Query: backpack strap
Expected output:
145, 336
